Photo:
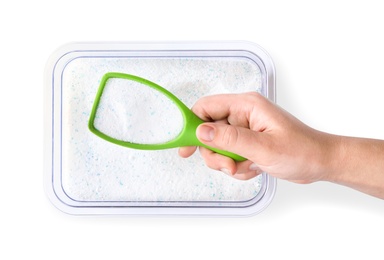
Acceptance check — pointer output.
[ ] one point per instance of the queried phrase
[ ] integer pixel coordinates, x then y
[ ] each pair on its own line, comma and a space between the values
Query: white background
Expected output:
329, 61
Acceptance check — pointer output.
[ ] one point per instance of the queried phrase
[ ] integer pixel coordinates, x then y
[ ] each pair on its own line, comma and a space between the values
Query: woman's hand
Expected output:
271, 139
277, 143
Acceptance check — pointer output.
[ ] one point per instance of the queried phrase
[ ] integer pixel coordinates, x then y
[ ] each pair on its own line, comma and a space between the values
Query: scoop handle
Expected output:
234, 156
193, 122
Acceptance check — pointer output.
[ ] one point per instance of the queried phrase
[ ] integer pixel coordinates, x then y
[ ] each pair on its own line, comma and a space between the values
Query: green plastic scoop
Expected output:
137, 113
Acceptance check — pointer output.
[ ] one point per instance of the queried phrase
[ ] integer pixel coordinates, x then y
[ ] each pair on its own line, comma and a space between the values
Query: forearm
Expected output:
358, 163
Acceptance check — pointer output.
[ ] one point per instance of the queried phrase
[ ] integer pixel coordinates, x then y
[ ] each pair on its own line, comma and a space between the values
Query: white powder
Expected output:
96, 170
136, 113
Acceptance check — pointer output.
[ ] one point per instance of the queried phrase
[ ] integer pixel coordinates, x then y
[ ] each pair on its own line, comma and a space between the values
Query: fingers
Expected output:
239, 140
235, 123
239, 170
236, 109
246, 176
218, 162
247, 170
187, 151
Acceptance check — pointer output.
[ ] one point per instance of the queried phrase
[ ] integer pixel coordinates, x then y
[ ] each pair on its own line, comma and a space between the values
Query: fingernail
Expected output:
254, 167
205, 133
226, 171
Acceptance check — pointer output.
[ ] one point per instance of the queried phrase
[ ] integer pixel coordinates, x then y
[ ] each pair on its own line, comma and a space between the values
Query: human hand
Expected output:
271, 139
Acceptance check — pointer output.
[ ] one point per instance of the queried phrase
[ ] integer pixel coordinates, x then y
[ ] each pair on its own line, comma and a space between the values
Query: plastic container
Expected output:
87, 175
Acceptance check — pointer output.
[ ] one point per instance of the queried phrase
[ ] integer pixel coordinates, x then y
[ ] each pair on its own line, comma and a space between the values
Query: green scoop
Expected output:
187, 135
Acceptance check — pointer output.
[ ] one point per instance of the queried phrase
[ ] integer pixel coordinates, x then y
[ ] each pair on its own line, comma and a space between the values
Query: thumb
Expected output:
238, 140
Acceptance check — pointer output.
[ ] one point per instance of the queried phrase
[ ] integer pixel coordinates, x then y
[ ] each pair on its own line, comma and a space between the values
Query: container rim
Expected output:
69, 51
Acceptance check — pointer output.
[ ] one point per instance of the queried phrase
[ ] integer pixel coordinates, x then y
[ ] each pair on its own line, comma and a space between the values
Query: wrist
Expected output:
332, 157
358, 164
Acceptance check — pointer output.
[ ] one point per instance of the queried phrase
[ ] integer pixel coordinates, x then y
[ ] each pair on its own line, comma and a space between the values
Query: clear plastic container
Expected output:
84, 174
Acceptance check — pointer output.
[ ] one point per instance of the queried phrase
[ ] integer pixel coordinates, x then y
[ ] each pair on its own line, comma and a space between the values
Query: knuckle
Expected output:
209, 158
230, 136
